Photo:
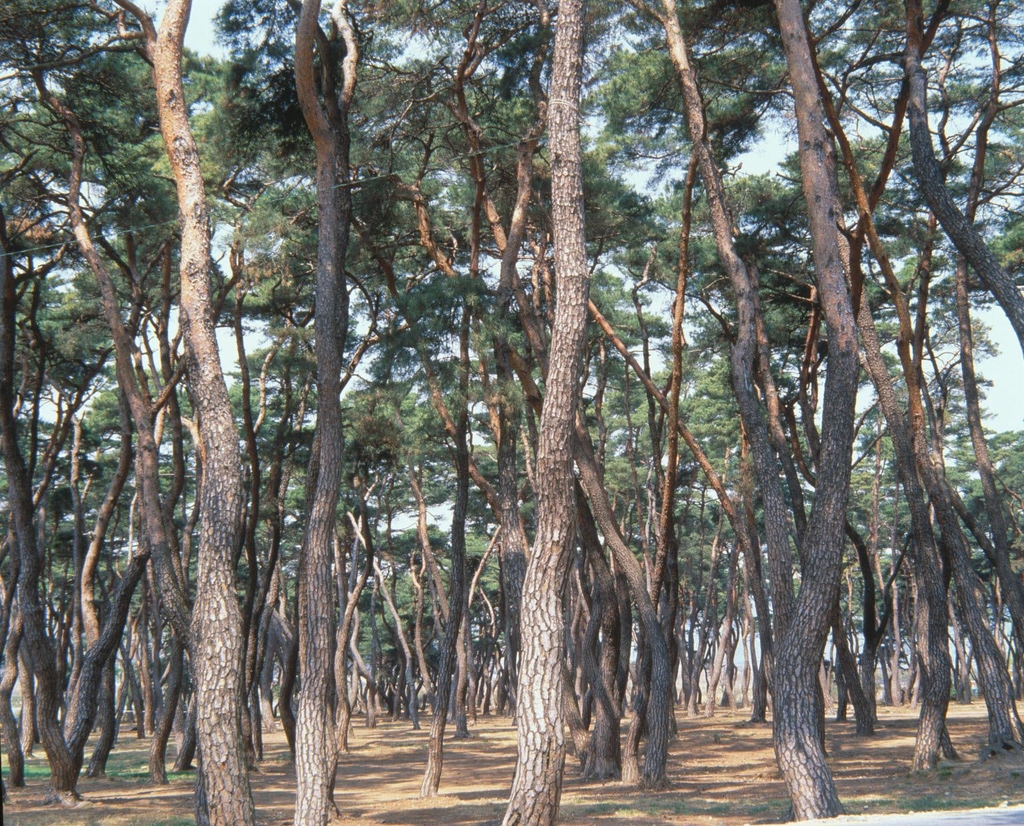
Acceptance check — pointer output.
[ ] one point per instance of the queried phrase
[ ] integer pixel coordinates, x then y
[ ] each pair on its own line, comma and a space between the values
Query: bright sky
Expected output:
1005, 399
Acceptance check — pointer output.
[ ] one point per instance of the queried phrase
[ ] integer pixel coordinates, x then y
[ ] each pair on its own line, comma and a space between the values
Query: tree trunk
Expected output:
217, 644
187, 750
798, 713
406, 650
168, 710
8, 725
537, 782
37, 650
657, 693
960, 230
457, 598
604, 753
316, 750
846, 668
106, 721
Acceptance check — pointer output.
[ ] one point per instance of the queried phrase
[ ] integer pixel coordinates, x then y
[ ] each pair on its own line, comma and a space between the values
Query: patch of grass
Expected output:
37, 769
124, 766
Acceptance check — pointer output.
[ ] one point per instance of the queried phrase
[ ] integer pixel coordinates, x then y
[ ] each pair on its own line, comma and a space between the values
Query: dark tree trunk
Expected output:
604, 753
168, 710
106, 721
316, 748
187, 749
846, 666
457, 592
8, 725
960, 230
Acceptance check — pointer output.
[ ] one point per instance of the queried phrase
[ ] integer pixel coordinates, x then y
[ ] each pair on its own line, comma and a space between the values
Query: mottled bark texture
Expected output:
315, 748
217, 644
798, 713
540, 761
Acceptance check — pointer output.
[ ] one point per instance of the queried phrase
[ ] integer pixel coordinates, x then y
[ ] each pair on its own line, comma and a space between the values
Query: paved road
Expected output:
1001, 816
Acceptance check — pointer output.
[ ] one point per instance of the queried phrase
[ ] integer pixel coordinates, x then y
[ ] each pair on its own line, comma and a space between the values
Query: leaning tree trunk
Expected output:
168, 710
960, 230
537, 783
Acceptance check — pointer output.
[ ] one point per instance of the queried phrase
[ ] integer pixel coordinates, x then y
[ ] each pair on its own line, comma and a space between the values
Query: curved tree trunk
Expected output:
8, 725
168, 710
655, 690
217, 644
960, 230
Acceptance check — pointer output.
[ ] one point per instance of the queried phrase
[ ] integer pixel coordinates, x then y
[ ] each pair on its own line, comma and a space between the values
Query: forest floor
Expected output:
722, 771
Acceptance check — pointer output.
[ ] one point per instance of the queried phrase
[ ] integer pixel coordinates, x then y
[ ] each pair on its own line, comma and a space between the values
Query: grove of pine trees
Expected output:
443, 357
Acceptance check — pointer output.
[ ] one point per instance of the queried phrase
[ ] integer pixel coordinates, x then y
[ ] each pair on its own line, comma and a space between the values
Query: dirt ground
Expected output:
722, 771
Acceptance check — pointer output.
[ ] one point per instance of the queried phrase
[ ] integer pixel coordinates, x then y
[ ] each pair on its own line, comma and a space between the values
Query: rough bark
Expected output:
537, 782
315, 753
217, 644
798, 726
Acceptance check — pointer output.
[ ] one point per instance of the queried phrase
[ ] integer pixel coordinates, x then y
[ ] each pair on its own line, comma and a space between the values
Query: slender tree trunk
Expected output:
187, 750
168, 710
106, 721
960, 230
37, 649
8, 725
604, 752
846, 668
406, 650
537, 782
457, 592
1005, 730
798, 712
656, 690
218, 646
316, 752
28, 731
